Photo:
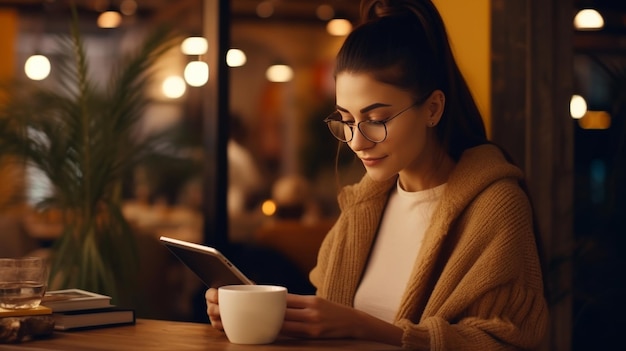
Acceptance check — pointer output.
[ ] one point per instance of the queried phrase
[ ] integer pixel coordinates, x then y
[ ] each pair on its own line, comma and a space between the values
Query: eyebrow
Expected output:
366, 108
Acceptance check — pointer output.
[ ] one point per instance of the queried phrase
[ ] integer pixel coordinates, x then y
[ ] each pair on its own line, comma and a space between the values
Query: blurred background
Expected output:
254, 171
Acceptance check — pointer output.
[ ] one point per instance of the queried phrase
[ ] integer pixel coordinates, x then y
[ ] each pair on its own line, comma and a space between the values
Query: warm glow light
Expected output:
279, 73
338, 27
196, 73
325, 12
109, 19
588, 19
173, 87
194, 46
128, 7
268, 208
37, 67
265, 9
595, 120
235, 58
577, 106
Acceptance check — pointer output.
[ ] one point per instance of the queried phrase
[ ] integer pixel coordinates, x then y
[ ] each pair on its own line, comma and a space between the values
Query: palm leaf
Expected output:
83, 139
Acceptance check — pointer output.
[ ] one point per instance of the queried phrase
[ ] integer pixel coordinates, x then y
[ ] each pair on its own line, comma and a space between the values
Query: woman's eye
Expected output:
377, 117
377, 120
373, 117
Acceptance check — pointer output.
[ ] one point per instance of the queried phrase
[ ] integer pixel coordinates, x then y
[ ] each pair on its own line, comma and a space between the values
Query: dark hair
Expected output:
404, 43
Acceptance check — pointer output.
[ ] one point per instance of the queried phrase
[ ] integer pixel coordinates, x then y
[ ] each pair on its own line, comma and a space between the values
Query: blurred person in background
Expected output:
245, 181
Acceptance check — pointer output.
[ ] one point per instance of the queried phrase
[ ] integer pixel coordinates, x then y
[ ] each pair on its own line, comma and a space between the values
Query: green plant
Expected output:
83, 138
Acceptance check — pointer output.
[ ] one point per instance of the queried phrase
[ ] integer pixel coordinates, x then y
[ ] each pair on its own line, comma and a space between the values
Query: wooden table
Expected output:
155, 335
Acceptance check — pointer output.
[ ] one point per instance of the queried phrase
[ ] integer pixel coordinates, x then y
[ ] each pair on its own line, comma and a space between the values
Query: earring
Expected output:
432, 123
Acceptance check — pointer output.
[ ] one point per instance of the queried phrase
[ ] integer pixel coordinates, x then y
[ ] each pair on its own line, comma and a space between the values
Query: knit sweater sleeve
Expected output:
318, 272
483, 331
344, 250
489, 293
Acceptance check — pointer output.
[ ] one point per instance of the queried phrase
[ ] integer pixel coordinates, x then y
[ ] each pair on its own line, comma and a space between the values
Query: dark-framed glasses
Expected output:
372, 130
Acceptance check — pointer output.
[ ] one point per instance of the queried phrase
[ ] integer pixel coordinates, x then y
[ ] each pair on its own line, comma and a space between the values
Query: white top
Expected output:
399, 239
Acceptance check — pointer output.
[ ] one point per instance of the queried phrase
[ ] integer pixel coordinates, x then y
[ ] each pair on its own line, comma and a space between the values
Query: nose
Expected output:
360, 142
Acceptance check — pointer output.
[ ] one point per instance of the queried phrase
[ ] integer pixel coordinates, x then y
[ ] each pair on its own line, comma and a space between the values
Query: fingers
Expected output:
300, 301
211, 295
302, 308
213, 312
213, 309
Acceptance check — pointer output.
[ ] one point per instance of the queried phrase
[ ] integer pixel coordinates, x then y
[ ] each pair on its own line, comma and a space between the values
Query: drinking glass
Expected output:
22, 282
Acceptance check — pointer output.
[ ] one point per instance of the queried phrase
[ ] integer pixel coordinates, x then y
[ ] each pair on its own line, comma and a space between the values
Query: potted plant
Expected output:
82, 138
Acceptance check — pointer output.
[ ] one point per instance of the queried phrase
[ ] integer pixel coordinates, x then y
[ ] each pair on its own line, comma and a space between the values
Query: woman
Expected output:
435, 247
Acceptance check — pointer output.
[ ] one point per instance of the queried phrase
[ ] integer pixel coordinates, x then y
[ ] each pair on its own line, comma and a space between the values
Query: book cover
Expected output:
92, 318
74, 299
39, 310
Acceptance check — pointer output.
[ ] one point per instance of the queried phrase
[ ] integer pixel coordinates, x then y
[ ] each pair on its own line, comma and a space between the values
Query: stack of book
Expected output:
78, 309
25, 324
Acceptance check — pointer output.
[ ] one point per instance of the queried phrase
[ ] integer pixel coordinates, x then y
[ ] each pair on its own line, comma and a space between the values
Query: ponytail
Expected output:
404, 43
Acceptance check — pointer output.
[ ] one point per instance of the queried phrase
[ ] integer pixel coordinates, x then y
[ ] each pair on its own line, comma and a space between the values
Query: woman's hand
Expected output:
306, 316
213, 308
315, 317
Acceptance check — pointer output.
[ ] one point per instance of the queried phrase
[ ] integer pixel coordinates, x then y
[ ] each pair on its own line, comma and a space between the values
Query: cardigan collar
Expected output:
477, 169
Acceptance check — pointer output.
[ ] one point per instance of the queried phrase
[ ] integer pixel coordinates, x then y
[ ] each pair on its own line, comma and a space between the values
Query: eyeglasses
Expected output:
374, 131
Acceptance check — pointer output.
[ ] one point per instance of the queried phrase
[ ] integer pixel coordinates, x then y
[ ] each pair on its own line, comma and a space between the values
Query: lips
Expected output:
372, 161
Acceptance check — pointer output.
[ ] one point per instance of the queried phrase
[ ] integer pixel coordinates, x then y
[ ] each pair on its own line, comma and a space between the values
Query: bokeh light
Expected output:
279, 73
173, 87
37, 67
196, 73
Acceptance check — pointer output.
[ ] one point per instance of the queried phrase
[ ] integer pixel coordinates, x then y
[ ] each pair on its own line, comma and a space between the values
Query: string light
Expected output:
173, 87
338, 27
109, 19
37, 67
268, 208
194, 46
577, 106
588, 19
235, 58
196, 73
279, 73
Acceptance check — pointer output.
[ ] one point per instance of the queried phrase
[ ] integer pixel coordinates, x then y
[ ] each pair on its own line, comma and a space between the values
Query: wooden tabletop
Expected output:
155, 335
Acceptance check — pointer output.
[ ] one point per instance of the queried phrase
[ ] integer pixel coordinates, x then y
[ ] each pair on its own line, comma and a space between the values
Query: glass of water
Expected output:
22, 282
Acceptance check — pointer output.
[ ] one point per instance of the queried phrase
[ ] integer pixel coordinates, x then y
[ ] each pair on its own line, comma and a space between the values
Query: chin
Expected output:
380, 176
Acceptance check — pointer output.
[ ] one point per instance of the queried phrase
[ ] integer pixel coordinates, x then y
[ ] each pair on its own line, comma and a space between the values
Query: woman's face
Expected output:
409, 147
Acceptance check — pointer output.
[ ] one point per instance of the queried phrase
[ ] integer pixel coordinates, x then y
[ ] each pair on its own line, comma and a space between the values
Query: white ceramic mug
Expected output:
252, 314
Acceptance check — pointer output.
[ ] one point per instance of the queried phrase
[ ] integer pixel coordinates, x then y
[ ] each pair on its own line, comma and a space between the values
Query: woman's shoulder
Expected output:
489, 180
481, 166
482, 172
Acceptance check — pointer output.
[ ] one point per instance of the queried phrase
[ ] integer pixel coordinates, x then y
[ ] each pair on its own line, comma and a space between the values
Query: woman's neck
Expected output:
438, 170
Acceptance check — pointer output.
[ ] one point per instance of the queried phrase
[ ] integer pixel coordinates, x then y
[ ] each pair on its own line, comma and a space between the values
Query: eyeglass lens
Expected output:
372, 130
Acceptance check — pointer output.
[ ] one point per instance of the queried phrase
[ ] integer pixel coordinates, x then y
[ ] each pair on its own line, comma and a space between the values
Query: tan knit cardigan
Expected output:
476, 283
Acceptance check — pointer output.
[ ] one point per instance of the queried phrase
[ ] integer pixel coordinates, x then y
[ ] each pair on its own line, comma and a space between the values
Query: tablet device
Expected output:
211, 266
